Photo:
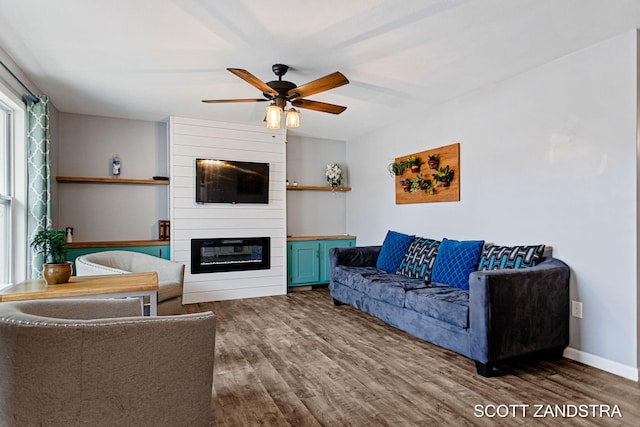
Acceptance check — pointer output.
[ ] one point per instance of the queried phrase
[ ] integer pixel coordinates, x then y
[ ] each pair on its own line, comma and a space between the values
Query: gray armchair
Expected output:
170, 274
98, 363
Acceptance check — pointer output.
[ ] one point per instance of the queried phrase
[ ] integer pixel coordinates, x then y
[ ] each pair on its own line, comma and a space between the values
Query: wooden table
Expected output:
108, 286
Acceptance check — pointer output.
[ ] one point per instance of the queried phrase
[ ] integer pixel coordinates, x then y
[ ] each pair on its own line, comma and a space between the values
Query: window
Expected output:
13, 248
6, 198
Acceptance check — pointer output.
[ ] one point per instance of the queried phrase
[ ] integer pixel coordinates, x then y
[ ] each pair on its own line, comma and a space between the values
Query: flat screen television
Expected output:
228, 181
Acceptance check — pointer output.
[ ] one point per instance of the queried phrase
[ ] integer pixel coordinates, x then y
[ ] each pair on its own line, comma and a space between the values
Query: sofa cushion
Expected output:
510, 257
455, 261
445, 303
376, 283
418, 261
393, 248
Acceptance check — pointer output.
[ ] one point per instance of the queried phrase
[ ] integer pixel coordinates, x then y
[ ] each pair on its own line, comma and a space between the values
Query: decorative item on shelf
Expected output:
433, 161
413, 163
443, 176
115, 166
69, 234
53, 247
164, 230
334, 175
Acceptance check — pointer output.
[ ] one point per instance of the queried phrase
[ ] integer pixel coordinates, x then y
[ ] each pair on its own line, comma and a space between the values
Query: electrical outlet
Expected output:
576, 309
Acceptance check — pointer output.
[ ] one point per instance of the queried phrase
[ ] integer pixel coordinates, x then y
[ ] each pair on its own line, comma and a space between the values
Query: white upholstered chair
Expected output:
170, 274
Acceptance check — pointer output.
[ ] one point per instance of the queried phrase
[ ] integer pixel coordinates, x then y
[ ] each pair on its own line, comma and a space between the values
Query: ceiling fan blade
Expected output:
323, 83
318, 106
216, 101
253, 81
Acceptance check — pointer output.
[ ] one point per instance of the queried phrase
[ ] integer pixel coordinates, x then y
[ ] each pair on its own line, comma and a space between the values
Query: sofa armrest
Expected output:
516, 312
359, 256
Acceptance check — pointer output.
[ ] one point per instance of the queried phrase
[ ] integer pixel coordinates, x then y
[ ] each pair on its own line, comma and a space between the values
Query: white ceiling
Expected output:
150, 59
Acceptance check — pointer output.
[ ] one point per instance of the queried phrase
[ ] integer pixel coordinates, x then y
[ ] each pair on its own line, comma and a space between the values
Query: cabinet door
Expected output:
325, 267
303, 262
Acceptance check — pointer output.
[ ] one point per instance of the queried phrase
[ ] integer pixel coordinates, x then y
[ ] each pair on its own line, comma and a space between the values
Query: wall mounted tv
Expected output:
228, 181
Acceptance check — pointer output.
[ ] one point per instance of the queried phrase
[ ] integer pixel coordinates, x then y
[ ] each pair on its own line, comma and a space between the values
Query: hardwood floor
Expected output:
297, 360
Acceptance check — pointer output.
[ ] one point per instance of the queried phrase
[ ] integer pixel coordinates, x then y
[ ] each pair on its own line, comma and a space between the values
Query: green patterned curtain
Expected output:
38, 175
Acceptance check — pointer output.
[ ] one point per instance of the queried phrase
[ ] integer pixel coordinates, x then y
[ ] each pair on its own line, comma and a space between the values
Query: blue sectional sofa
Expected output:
504, 313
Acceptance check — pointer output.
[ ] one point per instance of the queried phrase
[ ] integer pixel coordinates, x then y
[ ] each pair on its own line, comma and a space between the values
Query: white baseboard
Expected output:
228, 294
616, 368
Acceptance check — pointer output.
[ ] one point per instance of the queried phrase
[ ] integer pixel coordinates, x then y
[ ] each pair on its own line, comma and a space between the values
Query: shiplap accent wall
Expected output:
190, 139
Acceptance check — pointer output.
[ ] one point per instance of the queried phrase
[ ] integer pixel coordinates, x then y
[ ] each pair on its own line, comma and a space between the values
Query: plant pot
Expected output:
406, 185
415, 168
56, 272
443, 184
433, 164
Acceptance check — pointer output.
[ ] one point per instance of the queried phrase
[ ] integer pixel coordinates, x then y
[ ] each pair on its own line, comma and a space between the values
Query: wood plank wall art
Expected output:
436, 178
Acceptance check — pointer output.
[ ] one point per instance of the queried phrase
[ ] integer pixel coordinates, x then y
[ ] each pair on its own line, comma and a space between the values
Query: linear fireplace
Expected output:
230, 254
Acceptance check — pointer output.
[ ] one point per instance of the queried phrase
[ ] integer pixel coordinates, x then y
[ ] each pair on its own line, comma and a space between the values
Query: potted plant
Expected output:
396, 168
53, 247
406, 184
334, 175
413, 163
443, 176
419, 183
433, 161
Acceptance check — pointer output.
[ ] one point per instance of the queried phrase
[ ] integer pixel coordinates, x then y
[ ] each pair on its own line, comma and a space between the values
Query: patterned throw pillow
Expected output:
418, 261
393, 248
510, 257
455, 261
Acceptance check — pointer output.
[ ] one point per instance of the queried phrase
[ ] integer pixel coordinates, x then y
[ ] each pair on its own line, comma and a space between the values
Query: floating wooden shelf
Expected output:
317, 188
338, 237
111, 180
119, 243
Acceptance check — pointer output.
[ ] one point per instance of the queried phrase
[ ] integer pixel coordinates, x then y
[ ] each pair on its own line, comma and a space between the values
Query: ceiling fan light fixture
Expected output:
274, 114
293, 118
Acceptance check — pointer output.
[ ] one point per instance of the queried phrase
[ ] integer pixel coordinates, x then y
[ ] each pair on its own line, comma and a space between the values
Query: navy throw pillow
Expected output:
455, 261
393, 248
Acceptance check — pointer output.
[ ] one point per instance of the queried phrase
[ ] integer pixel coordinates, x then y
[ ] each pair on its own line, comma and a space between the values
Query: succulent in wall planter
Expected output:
396, 168
52, 245
418, 183
443, 176
413, 163
433, 161
406, 184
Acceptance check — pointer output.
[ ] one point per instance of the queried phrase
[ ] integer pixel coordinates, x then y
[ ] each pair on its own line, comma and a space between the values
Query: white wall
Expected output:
315, 213
108, 212
190, 139
548, 156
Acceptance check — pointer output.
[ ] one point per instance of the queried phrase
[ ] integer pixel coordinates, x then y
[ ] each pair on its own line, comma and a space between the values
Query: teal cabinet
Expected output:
308, 260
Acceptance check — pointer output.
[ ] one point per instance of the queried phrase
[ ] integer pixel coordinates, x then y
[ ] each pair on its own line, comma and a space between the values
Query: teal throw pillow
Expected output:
418, 261
393, 248
510, 257
455, 261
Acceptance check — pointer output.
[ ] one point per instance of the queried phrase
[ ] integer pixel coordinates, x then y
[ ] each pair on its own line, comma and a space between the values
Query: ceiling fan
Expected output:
279, 92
